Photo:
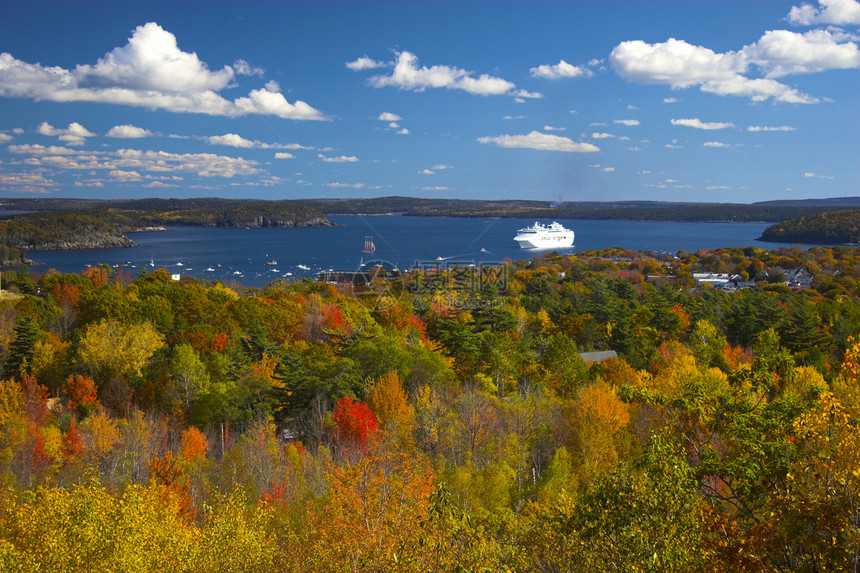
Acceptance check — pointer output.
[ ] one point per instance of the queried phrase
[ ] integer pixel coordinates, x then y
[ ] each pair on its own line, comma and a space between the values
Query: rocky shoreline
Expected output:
109, 242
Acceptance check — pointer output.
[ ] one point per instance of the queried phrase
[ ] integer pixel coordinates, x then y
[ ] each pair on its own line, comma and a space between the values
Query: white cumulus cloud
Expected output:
284, 155
699, 124
231, 140
236, 140
839, 12
74, 134
128, 132
140, 161
682, 65
125, 175
560, 70
780, 52
364, 63
338, 159
152, 61
408, 75
717, 144
36, 149
26, 180
627, 122
539, 141
243, 68
149, 71
388, 116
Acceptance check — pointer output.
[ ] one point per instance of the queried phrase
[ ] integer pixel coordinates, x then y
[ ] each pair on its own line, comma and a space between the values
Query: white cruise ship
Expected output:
540, 236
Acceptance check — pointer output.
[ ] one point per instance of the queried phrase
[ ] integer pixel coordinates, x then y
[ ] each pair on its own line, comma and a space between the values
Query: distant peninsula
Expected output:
66, 224
824, 228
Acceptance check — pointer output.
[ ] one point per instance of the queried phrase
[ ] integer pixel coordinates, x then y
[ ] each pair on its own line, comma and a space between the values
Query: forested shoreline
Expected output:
440, 420
832, 227
92, 225
594, 210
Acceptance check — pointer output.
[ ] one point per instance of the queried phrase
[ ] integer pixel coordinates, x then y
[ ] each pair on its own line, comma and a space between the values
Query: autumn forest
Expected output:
452, 419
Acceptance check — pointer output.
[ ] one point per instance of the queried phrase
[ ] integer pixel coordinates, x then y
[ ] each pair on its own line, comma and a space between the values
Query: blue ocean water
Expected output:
242, 254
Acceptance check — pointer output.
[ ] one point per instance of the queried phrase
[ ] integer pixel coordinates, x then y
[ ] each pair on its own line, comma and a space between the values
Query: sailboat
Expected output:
369, 247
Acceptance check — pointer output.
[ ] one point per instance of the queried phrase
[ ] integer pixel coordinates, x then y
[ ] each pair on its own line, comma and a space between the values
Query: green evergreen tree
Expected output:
27, 334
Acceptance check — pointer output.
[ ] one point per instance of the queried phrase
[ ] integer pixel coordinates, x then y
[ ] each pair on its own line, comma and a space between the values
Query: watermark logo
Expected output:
445, 276
426, 284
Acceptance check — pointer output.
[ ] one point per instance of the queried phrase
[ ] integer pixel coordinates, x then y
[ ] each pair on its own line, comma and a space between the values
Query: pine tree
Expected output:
27, 334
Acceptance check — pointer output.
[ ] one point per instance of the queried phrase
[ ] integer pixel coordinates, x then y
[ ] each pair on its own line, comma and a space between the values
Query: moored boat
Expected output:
369, 247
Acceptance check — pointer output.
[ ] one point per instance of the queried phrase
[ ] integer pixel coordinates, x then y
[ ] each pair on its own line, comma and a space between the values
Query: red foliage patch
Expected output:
356, 423
219, 342
65, 295
72, 444
82, 393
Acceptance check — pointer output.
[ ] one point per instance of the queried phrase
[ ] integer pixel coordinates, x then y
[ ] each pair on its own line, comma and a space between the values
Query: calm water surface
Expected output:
242, 254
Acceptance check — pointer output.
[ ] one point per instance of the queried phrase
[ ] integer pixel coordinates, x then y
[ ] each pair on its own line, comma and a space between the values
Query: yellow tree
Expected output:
372, 518
817, 514
597, 416
387, 399
101, 434
110, 347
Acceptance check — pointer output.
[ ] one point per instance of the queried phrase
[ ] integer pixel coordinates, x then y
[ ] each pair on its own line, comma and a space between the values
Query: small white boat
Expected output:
178, 264
303, 267
210, 270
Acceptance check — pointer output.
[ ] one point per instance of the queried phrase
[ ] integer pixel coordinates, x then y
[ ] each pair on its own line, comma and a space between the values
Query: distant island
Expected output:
823, 228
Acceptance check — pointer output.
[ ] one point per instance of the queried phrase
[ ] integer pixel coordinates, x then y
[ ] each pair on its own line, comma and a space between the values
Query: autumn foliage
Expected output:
194, 444
414, 425
82, 393
355, 422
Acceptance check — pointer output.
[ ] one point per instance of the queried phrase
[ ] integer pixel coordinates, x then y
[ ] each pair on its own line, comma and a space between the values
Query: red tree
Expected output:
355, 421
83, 396
72, 444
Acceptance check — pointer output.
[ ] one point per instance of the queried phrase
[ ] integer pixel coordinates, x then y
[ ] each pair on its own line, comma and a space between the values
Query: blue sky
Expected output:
575, 101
